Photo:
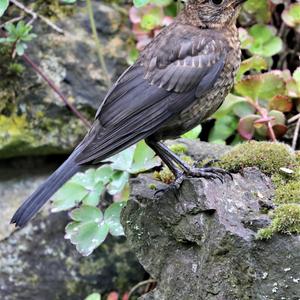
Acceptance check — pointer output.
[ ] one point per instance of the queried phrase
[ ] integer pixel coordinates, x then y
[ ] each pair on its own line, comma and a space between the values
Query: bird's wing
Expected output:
156, 88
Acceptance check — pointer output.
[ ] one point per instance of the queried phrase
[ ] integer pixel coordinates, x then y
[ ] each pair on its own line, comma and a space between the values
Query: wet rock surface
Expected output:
200, 242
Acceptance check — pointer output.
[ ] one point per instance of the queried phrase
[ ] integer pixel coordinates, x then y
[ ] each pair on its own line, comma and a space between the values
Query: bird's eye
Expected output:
217, 2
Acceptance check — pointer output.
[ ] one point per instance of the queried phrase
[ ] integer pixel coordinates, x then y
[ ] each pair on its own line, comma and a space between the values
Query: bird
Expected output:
180, 79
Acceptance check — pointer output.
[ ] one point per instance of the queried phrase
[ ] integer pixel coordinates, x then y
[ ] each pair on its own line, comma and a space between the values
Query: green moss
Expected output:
285, 219
152, 186
288, 193
40, 135
15, 69
179, 148
54, 8
165, 175
283, 165
268, 157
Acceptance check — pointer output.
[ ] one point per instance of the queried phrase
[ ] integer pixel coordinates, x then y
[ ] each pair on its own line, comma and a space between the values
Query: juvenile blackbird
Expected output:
179, 80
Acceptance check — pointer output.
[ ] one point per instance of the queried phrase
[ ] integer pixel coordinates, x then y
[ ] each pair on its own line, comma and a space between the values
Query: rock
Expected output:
18, 179
37, 263
200, 242
33, 120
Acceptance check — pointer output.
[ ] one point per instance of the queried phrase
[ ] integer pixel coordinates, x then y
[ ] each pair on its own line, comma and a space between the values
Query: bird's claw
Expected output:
209, 173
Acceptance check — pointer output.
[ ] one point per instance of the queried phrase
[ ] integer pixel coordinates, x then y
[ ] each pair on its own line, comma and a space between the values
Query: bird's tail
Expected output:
34, 203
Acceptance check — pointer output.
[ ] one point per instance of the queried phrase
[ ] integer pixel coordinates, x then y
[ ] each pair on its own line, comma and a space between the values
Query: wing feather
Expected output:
151, 92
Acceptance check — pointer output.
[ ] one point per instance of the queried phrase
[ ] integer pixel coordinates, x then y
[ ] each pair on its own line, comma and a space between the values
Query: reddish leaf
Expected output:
280, 130
113, 296
125, 296
246, 126
281, 103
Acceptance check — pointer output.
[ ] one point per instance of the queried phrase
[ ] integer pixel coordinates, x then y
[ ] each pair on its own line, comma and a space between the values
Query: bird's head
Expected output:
213, 13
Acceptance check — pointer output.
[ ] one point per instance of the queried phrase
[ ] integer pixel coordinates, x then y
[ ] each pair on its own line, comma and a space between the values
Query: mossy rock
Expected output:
285, 219
281, 163
268, 157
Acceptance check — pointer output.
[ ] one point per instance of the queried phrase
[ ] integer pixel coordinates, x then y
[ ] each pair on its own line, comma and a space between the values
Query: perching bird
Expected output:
179, 80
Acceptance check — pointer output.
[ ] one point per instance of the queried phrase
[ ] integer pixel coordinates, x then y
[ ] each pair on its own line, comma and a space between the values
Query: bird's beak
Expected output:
236, 3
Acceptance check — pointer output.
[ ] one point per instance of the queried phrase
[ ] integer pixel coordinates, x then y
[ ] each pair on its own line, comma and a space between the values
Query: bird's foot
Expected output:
208, 173
172, 186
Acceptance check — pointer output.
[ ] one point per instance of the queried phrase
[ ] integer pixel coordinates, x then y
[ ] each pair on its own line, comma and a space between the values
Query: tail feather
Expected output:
34, 203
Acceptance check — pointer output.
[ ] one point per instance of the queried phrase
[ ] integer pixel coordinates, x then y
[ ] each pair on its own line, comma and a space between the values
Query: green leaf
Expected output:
68, 196
137, 158
88, 231
291, 16
3, 6
104, 174
86, 214
20, 48
112, 218
223, 129
193, 134
94, 296
242, 109
161, 2
140, 3
226, 107
143, 159
259, 9
262, 86
256, 63
118, 182
123, 160
152, 19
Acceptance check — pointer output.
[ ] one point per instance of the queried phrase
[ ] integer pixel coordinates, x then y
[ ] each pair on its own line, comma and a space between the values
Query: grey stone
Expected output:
36, 262
199, 242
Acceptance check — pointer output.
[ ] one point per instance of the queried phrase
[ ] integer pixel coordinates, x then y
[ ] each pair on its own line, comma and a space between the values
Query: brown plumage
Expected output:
180, 79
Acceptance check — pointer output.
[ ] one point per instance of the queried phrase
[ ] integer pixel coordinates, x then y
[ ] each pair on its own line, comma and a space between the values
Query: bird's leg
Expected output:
178, 173
205, 172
